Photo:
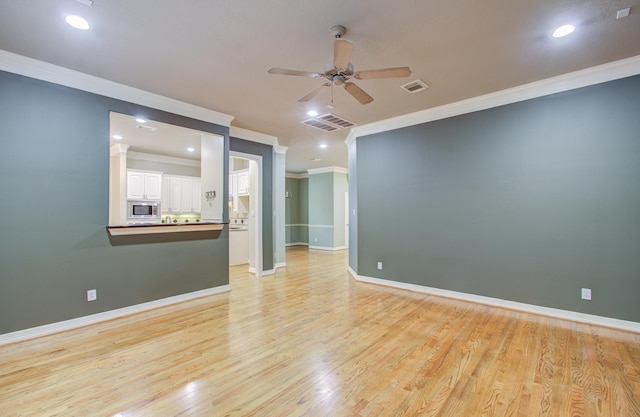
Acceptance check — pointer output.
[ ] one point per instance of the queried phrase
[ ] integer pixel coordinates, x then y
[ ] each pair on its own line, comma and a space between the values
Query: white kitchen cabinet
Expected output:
238, 186
144, 185
238, 247
197, 194
243, 182
183, 194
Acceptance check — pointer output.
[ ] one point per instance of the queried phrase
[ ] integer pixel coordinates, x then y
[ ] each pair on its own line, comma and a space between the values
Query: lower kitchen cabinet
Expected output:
238, 247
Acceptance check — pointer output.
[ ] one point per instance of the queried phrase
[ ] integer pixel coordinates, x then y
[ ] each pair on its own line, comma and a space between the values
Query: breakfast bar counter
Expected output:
148, 229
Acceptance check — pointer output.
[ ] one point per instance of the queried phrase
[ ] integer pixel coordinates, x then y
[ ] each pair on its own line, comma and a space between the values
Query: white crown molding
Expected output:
574, 316
582, 78
296, 176
337, 170
62, 326
250, 135
44, 71
161, 158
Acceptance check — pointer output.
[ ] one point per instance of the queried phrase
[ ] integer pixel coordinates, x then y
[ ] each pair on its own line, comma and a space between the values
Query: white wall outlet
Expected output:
92, 295
586, 293
379, 265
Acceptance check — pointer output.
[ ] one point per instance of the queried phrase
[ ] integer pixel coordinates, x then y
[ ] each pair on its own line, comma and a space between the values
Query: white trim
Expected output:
511, 305
297, 244
40, 70
296, 225
246, 134
322, 226
62, 326
161, 158
268, 272
582, 78
330, 248
337, 170
296, 176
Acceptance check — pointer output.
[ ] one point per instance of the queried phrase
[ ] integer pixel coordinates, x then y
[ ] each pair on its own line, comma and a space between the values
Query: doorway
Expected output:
245, 211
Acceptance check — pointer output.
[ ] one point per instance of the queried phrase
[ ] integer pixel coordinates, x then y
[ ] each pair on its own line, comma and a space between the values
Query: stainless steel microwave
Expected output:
148, 210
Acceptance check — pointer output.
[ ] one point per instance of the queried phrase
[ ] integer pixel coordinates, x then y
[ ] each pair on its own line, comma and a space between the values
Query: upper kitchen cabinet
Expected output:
144, 185
181, 194
243, 182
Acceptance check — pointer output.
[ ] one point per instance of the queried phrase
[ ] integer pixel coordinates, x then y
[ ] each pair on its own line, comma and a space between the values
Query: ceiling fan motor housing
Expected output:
331, 73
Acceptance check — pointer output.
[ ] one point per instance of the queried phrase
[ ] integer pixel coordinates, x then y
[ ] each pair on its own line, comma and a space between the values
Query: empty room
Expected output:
360, 208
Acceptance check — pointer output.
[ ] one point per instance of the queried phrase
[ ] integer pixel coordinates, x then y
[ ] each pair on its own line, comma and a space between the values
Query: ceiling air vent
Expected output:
414, 86
320, 125
328, 122
335, 120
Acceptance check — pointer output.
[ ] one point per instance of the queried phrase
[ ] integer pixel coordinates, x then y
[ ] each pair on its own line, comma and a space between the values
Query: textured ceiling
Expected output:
215, 54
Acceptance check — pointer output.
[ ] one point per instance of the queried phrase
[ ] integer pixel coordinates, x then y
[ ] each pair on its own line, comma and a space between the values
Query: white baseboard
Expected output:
631, 326
328, 248
297, 244
62, 326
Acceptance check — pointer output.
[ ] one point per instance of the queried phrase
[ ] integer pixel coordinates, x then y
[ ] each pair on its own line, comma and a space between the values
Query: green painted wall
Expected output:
321, 210
54, 169
297, 211
527, 202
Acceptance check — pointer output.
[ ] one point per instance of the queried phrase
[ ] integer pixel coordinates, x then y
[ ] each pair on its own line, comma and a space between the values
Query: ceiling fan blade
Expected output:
314, 93
358, 93
383, 73
342, 50
282, 71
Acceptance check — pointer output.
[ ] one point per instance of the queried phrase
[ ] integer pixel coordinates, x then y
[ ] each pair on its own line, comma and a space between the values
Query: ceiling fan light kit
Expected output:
341, 70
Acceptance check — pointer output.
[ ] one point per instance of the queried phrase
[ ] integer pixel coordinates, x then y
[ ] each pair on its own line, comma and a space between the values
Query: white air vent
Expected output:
328, 122
320, 125
414, 86
335, 120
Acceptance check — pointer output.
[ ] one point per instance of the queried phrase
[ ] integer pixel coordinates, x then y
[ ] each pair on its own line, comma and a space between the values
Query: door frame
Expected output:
255, 218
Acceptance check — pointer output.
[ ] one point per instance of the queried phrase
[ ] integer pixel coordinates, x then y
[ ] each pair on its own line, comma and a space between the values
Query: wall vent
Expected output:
414, 86
328, 122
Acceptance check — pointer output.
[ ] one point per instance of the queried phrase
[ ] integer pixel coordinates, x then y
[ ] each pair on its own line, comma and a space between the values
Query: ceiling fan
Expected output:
340, 71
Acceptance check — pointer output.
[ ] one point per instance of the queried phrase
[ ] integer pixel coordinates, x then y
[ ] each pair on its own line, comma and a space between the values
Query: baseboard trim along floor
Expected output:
511, 305
61, 326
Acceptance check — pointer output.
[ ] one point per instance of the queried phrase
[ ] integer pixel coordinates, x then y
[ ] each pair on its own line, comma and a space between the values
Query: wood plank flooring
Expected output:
310, 341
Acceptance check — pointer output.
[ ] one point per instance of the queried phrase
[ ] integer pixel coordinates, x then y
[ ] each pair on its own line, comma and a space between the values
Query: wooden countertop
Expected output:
149, 229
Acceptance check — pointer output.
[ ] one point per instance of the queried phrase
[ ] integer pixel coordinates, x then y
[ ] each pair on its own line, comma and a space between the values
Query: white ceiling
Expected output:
215, 54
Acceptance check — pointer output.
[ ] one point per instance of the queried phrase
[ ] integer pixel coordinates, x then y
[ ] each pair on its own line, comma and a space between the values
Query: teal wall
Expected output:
527, 202
297, 211
321, 210
54, 170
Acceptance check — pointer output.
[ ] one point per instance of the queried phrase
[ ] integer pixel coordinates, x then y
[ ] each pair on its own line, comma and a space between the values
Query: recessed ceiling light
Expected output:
139, 120
323, 145
563, 31
316, 159
312, 113
77, 22
117, 137
191, 149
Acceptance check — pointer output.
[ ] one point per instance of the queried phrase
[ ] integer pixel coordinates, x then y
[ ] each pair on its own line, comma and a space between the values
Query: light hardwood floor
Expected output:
310, 341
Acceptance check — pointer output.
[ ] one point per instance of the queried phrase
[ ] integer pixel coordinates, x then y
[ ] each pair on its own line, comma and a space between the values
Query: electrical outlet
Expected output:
379, 265
586, 293
92, 295
315, 239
